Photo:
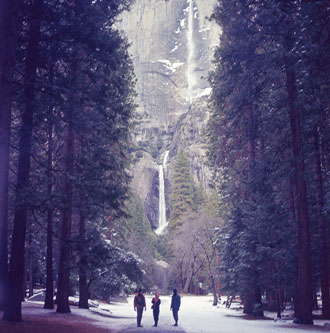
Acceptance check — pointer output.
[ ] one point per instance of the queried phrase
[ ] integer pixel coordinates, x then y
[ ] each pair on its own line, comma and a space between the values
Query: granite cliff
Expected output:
172, 45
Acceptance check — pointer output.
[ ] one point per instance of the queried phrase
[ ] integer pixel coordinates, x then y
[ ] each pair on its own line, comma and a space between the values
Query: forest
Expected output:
269, 145
71, 223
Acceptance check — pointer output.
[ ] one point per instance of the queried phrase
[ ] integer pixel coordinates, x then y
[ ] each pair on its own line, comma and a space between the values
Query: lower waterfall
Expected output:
162, 223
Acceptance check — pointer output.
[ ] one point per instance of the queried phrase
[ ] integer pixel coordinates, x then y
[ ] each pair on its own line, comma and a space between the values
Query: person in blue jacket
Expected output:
175, 306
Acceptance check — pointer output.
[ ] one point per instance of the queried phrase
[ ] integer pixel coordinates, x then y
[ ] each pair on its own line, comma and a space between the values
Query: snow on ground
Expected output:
39, 320
196, 315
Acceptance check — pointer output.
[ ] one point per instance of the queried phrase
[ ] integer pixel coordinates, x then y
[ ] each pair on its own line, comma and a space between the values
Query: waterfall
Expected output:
191, 75
162, 223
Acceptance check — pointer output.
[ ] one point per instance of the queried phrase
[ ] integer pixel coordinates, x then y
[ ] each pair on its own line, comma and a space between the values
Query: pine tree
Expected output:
182, 190
16, 266
8, 40
252, 147
311, 65
77, 91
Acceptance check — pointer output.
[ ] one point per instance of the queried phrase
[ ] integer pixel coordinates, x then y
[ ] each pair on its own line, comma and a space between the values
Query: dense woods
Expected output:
269, 145
70, 221
67, 97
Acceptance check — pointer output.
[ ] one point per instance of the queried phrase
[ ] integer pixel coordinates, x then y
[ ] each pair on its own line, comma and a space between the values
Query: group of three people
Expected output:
140, 304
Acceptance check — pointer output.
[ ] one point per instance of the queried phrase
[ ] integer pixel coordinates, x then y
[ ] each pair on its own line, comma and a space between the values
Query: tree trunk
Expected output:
83, 291
16, 267
49, 302
187, 284
322, 230
65, 250
252, 303
277, 290
181, 285
30, 267
304, 304
278, 302
214, 291
25, 277
209, 259
8, 26
248, 305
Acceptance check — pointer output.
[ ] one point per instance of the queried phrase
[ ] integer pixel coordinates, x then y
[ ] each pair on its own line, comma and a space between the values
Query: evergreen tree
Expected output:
16, 266
264, 91
8, 40
182, 190
75, 86
137, 236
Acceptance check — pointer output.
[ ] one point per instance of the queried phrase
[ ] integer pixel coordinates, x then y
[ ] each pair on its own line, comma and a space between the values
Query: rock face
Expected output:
172, 44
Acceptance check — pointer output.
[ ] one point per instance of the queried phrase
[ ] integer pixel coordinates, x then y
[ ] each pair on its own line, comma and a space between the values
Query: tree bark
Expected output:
252, 303
83, 290
322, 230
210, 258
214, 291
65, 250
188, 281
8, 27
30, 267
304, 303
16, 267
83, 287
49, 302
252, 300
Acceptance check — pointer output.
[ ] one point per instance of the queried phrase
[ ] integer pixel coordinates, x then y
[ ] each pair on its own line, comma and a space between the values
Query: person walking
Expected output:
139, 304
155, 308
175, 306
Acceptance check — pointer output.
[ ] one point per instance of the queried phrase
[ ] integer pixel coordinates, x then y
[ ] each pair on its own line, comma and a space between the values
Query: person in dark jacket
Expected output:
175, 306
139, 304
155, 308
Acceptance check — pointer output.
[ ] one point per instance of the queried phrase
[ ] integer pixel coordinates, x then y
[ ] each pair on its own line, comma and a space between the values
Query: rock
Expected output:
151, 202
161, 276
172, 89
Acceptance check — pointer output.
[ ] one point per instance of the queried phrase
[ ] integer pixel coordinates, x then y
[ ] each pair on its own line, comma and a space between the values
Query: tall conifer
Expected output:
266, 105
182, 191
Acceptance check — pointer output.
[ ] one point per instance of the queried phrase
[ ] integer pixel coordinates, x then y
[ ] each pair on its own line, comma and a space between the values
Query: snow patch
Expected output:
174, 48
177, 64
165, 61
204, 29
182, 23
169, 65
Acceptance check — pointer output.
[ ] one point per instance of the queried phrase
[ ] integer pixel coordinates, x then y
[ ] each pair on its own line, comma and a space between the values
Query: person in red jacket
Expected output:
155, 308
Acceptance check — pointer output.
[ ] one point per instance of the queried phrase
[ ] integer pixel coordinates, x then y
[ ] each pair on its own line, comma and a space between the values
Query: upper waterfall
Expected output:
191, 63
